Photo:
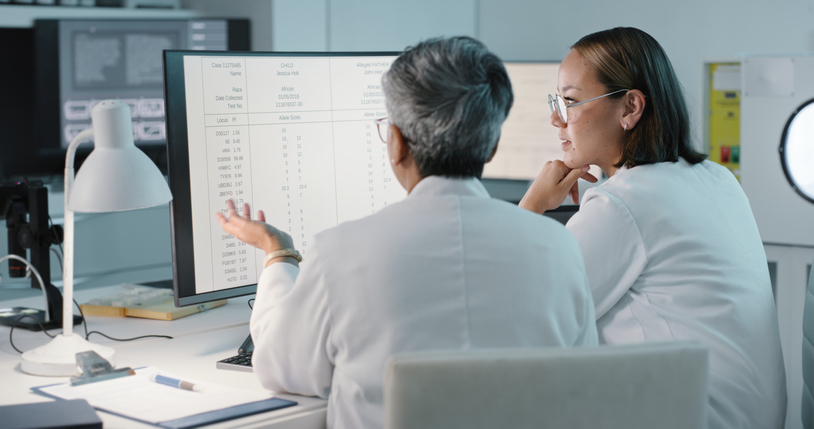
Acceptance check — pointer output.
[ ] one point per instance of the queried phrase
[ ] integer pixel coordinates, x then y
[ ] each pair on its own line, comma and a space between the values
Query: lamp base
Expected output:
58, 357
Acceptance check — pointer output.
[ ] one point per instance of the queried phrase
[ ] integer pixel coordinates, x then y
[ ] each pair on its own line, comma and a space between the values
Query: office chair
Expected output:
807, 406
651, 385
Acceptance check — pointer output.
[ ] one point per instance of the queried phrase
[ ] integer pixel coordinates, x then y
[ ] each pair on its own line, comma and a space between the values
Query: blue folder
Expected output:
205, 418
227, 414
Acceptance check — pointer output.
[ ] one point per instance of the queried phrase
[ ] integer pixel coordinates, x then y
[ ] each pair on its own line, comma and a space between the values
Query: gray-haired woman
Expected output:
446, 268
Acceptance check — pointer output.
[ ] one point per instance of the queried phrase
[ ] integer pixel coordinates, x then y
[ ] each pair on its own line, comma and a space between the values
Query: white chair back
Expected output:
807, 409
651, 385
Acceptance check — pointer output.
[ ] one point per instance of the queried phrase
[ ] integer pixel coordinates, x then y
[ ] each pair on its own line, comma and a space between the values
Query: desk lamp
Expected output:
797, 150
116, 176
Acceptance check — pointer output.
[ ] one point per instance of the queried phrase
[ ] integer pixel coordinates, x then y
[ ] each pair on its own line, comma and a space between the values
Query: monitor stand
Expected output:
247, 346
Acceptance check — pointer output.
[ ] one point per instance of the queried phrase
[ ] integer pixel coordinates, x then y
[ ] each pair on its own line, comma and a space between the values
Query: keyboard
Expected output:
240, 362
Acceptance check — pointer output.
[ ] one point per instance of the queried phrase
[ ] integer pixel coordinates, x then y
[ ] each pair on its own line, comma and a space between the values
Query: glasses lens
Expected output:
562, 109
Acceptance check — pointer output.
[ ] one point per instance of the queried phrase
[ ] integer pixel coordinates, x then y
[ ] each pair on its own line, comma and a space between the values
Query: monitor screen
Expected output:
290, 133
527, 139
82, 62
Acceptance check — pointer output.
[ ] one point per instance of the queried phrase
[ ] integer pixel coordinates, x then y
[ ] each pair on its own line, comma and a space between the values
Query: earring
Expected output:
393, 161
625, 127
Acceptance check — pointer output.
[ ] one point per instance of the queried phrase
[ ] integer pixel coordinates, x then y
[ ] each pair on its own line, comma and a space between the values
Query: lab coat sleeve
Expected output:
290, 327
588, 335
612, 246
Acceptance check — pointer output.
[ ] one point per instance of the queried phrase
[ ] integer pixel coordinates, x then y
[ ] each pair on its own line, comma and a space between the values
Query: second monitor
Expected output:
527, 139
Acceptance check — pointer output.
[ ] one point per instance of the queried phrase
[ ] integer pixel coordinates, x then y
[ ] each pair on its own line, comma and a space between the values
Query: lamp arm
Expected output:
67, 268
70, 153
36, 274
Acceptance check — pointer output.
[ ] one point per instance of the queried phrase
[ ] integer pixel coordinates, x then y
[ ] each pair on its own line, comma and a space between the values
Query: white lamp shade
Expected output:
118, 179
116, 176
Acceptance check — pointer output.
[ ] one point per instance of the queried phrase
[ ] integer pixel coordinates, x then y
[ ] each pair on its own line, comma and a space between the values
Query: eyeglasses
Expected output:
557, 103
383, 125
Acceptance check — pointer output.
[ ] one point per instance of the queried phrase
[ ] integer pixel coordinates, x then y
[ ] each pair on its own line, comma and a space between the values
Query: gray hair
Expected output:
449, 98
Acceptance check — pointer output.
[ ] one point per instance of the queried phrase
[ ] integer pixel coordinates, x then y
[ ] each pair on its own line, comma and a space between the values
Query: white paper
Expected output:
138, 397
727, 78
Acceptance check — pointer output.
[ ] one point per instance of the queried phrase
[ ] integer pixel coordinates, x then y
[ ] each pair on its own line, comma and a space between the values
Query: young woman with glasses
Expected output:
669, 240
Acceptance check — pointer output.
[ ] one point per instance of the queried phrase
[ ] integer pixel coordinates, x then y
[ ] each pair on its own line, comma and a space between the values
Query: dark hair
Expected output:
449, 98
629, 58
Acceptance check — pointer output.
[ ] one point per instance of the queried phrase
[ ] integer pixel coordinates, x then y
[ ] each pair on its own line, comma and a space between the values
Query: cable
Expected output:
85, 324
58, 244
129, 339
251, 303
85, 321
87, 334
59, 257
14, 325
37, 274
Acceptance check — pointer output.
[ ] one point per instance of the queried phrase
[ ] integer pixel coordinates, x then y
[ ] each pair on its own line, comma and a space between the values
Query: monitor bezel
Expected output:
183, 264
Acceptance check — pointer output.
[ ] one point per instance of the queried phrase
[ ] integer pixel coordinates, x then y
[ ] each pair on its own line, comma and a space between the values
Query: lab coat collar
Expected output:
624, 169
620, 170
434, 186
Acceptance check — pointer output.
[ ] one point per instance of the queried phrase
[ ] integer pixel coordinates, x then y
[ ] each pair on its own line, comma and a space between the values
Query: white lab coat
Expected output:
447, 268
673, 252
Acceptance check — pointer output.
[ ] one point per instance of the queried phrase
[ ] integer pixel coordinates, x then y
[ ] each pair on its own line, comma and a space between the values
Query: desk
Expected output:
199, 341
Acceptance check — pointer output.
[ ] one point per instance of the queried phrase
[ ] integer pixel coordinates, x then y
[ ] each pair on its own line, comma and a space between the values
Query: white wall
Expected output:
367, 25
691, 31
300, 25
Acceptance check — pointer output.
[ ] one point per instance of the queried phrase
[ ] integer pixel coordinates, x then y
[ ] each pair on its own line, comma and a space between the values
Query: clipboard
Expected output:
138, 397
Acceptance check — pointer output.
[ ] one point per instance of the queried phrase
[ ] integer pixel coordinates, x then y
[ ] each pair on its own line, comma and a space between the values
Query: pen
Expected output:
174, 382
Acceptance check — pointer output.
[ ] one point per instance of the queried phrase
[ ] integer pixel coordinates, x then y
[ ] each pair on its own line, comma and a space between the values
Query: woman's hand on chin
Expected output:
553, 184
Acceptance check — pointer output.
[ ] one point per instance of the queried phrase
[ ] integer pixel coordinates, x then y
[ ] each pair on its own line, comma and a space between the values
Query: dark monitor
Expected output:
290, 133
563, 213
81, 62
18, 149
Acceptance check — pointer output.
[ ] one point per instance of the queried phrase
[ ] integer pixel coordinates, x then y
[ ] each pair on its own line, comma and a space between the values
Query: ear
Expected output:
399, 150
494, 151
634, 108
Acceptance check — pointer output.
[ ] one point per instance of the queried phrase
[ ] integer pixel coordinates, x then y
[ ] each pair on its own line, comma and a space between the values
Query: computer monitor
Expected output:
79, 62
17, 118
290, 133
527, 139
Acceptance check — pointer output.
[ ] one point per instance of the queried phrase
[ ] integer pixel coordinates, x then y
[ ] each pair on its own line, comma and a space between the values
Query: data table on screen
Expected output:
293, 137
